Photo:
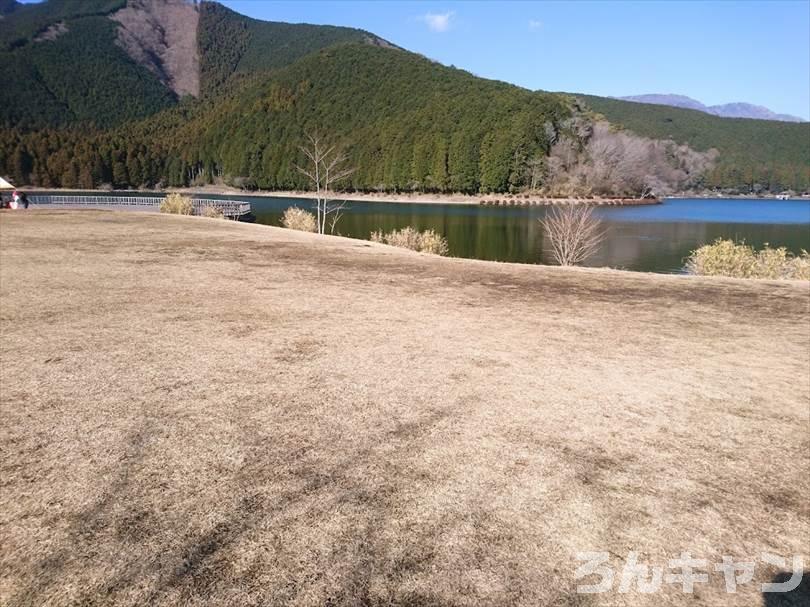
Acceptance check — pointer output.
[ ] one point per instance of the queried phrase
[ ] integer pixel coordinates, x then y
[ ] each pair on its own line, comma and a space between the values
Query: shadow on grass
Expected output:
198, 567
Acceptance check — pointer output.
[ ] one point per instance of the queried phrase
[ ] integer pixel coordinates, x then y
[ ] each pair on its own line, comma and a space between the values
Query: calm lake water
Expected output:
653, 238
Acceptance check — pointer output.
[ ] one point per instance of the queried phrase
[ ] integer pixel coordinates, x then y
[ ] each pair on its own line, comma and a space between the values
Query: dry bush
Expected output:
212, 211
434, 243
738, 260
428, 241
177, 205
800, 266
722, 258
574, 232
299, 219
407, 238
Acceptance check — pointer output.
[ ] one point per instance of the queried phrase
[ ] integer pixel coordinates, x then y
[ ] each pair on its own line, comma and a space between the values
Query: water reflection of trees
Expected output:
515, 234
663, 246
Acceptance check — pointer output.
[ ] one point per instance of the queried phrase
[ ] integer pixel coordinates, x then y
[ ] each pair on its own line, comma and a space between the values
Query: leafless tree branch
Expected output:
574, 233
327, 169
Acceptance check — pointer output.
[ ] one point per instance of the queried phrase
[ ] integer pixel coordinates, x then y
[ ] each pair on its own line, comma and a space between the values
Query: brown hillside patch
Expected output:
161, 35
52, 32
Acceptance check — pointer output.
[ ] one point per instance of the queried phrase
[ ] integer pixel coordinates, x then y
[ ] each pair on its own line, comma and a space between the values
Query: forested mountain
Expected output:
108, 62
96, 97
59, 64
232, 44
7, 7
773, 154
406, 122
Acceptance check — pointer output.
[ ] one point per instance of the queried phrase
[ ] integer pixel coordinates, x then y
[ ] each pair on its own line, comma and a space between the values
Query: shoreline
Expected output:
428, 198
402, 198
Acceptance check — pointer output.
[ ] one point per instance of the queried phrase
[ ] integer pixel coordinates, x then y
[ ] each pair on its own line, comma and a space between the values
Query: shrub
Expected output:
574, 233
428, 241
800, 266
299, 219
407, 238
212, 211
738, 260
433, 243
177, 205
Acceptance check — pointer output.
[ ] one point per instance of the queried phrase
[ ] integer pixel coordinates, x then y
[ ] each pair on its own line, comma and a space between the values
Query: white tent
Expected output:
5, 185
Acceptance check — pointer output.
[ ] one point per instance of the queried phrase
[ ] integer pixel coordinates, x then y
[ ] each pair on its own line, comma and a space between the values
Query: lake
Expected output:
654, 238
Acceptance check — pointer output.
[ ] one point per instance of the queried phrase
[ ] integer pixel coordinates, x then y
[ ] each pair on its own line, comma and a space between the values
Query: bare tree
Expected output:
574, 232
326, 167
618, 163
535, 169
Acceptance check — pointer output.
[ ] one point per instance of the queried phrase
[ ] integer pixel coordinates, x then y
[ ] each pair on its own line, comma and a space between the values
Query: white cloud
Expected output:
534, 24
438, 22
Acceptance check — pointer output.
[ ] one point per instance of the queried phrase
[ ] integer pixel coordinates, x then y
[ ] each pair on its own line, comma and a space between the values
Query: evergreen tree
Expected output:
462, 163
120, 178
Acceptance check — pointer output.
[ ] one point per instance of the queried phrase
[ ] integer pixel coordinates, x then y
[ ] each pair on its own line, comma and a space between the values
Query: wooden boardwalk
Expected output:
233, 209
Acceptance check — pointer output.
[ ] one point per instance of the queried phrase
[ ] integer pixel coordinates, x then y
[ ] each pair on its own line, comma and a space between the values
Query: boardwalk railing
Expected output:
229, 208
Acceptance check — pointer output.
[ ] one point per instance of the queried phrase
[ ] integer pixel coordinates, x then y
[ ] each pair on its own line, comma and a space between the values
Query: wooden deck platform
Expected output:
233, 209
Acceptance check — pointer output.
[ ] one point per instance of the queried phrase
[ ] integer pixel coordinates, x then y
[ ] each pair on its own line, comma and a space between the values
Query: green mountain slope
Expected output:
232, 44
8, 6
751, 151
77, 74
80, 77
63, 58
406, 123
25, 21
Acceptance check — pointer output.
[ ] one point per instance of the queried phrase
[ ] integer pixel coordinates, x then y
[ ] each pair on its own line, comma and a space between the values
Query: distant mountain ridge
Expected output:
726, 110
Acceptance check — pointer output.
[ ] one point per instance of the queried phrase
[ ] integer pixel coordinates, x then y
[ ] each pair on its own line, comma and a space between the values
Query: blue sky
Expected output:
716, 52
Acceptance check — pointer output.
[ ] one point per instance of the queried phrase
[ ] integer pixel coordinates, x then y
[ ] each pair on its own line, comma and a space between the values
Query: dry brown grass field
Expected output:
199, 412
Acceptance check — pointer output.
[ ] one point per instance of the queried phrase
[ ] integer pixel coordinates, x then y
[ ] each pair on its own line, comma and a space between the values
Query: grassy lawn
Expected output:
198, 412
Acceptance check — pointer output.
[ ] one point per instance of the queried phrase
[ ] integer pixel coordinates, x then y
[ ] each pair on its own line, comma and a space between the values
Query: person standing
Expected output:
15, 199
